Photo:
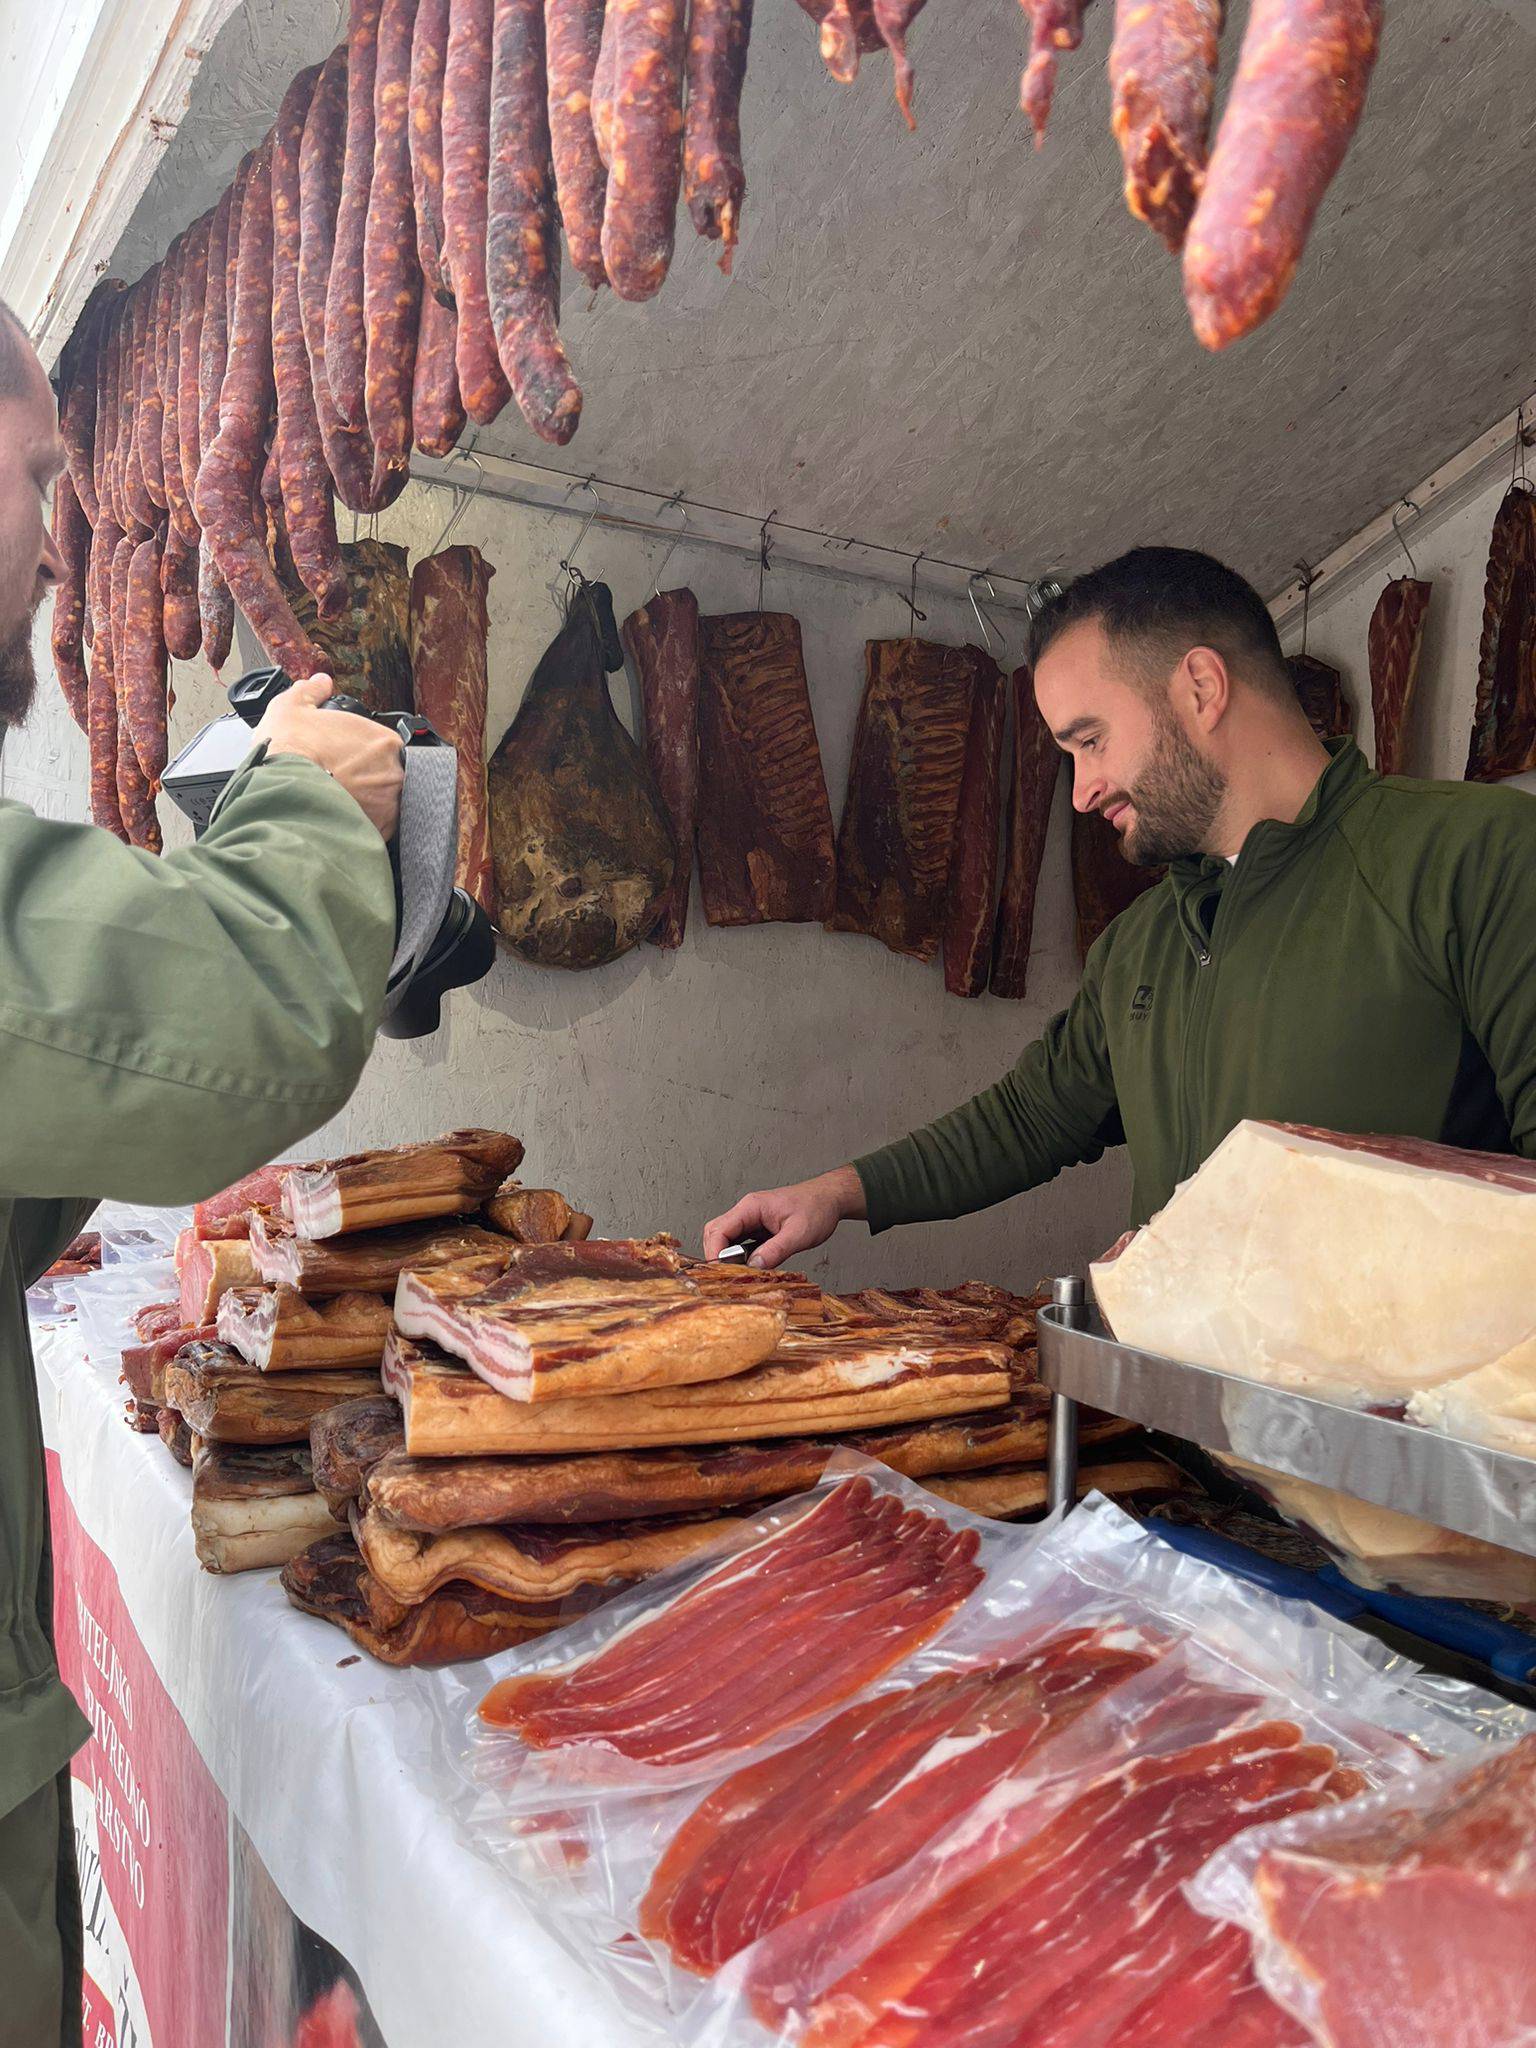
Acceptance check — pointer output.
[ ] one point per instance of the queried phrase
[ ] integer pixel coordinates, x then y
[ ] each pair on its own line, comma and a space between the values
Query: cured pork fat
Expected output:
406, 1184
253, 1508
539, 1340
811, 1385
277, 1330
851, 1802
765, 824
898, 829
368, 1261
778, 1633
1395, 640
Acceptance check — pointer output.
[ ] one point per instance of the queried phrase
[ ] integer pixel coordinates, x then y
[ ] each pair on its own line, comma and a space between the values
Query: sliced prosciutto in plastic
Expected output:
783, 1630
871, 1787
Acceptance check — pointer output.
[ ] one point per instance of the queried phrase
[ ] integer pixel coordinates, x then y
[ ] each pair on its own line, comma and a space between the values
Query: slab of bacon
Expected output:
405, 1184
369, 1262
276, 1329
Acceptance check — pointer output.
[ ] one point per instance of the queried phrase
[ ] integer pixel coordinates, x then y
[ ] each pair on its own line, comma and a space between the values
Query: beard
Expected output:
1176, 798
18, 675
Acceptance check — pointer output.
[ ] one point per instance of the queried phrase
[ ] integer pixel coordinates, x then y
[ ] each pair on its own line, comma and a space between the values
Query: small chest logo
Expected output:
1141, 1004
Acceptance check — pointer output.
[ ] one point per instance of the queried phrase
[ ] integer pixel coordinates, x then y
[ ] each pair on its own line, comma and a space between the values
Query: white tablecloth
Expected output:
327, 1765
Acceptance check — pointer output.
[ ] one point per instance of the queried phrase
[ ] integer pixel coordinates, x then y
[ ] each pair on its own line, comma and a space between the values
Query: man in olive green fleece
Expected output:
165, 1026
1328, 947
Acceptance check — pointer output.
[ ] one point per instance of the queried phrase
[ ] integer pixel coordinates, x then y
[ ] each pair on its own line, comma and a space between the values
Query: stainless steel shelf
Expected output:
1460, 1486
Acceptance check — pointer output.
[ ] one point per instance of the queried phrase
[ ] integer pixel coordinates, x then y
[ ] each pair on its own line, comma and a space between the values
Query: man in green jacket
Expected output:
165, 1026
1328, 947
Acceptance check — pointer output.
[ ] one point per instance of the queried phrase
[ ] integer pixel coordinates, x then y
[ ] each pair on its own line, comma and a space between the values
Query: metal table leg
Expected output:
1061, 1469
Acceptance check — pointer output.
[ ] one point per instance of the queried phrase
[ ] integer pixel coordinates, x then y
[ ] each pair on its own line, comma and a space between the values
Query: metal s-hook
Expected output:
568, 562
762, 554
463, 494
982, 576
675, 501
910, 600
1308, 576
1413, 567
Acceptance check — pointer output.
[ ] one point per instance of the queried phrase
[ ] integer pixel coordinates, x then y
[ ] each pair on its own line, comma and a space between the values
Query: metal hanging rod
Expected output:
641, 509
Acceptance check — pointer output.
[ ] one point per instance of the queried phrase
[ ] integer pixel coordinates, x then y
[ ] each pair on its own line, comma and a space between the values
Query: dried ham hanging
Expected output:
1504, 721
1396, 640
909, 746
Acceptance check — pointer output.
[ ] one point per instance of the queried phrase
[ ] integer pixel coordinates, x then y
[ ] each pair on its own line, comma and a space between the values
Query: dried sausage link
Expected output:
152, 392
134, 795
466, 165
303, 473
429, 54
215, 609
213, 351
72, 538
101, 730
170, 394
645, 160
523, 240
1295, 102
437, 411
894, 18
714, 182
348, 450
391, 270
109, 392
79, 370
141, 506
178, 584
189, 371
346, 340
227, 483
573, 33
1162, 72
143, 660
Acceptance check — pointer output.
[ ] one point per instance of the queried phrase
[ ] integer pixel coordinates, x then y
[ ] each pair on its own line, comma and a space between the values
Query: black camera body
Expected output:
443, 939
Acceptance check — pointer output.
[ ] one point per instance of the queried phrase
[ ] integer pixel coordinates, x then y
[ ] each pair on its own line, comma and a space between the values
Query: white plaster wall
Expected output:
658, 1088
1451, 553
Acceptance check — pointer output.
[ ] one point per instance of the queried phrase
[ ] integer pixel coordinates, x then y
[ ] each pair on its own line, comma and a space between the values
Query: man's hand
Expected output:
791, 1219
366, 760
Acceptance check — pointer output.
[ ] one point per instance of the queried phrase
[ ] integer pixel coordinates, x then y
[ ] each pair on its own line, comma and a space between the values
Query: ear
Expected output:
1202, 688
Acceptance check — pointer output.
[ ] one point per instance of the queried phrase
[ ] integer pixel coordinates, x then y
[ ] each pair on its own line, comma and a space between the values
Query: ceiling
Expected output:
946, 342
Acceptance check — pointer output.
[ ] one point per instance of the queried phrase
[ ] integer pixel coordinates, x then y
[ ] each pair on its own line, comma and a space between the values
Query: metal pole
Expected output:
1061, 1474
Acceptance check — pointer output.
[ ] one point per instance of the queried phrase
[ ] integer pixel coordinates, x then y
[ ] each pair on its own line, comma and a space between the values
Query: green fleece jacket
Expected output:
165, 1026
1371, 968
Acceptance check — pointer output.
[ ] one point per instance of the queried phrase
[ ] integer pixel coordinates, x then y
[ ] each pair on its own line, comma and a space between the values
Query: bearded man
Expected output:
1328, 946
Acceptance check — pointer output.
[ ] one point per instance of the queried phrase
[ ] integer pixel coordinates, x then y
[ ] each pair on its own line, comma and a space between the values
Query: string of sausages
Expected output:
385, 269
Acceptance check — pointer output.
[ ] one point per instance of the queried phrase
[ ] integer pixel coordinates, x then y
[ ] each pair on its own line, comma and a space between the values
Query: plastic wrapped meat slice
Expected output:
871, 1787
779, 1632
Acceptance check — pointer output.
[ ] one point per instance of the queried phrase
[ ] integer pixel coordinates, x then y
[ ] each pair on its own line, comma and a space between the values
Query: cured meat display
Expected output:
1162, 71
534, 1215
407, 1184
227, 1401
1253, 1265
347, 1442
909, 755
662, 640
460, 1623
530, 1564
573, 31
765, 824
812, 1384
1396, 641
391, 269
1013, 1941
1320, 690
366, 646
369, 1261
207, 1269
1036, 770
850, 1803
1411, 1920
1104, 882
1288, 121
228, 1214
971, 904
850, 1586
466, 161
547, 1340
1504, 718
450, 634
253, 1508
277, 1330
583, 855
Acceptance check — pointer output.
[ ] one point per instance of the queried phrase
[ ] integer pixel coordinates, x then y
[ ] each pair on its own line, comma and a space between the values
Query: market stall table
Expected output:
324, 1759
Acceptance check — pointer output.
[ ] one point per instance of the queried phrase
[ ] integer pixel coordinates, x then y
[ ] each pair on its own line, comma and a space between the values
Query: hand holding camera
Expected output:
365, 757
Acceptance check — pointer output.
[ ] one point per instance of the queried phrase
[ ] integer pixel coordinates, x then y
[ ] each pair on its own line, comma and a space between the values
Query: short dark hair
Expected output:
1160, 602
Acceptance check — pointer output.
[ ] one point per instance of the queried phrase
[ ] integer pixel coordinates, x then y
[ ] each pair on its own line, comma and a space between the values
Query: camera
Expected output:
443, 939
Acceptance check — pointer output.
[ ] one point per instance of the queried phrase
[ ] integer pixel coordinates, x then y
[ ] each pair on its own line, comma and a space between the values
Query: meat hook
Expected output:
568, 562
1413, 567
462, 493
982, 576
762, 554
910, 600
674, 502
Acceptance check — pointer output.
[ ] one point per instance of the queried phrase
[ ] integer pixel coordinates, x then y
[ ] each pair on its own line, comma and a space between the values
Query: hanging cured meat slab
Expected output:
1395, 640
971, 900
1320, 690
765, 824
662, 640
1504, 721
1036, 770
582, 849
1103, 881
367, 648
898, 829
